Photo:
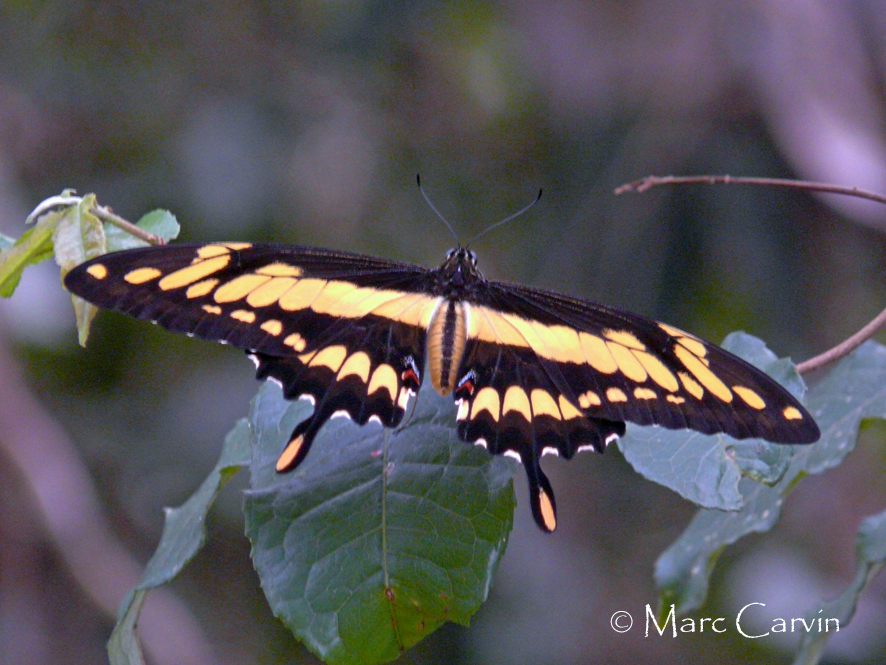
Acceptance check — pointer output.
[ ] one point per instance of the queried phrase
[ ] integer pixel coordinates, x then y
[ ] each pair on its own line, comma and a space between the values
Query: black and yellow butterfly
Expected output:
532, 372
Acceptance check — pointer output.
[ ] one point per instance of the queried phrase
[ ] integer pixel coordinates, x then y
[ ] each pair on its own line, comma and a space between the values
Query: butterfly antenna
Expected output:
506, 219
434, 208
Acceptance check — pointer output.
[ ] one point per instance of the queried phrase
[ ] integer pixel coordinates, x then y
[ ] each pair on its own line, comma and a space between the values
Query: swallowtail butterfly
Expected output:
532, 372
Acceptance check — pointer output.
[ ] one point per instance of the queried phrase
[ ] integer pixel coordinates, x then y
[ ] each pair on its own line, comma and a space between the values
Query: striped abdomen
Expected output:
446, 344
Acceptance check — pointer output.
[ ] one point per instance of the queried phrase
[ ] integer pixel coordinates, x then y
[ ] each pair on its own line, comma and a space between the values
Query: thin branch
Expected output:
106, 215
654, 181
845, 347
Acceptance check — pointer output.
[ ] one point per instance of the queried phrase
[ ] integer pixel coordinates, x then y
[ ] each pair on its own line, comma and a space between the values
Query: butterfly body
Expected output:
532, 372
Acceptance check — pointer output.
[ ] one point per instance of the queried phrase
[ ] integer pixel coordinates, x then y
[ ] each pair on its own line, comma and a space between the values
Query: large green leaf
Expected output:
378, 537
184, 533
705, 469
853, 389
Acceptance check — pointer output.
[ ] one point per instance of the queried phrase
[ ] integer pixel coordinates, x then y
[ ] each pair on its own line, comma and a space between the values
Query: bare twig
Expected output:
106, 215
845, 347
654, 181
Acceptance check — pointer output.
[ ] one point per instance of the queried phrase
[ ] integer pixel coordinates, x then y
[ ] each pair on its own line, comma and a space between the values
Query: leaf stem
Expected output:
106, 215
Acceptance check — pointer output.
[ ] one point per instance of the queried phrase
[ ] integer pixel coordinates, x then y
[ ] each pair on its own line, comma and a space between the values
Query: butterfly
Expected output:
531, 372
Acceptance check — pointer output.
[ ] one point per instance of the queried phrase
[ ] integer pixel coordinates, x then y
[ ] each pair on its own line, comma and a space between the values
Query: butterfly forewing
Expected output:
620, 366
340, 329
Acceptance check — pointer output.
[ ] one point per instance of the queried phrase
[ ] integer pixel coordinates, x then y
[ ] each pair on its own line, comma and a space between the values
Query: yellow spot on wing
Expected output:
331, 357
332, 298
385, 377
625, 339
750, 398
209, 251
238, 245
675, 400
239, 287
201, 288
270, 292
792, 413
212, 309
302, 294
344, 299
357, 364
644, 393
562, 342
193, 273
627, 362
491, 326
691, 386
290, 452
657, 370
568, 410
272, 327
616, 395
547, 510
280, 270
671, 330
516, 400
243, 315
410, 309
97, 270
142, 275
489, 400
543, 404
597, 353
705, 376
589, 399
296, 341
696, 347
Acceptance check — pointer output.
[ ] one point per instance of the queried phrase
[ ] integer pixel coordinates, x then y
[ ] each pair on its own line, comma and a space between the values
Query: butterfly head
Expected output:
460, 267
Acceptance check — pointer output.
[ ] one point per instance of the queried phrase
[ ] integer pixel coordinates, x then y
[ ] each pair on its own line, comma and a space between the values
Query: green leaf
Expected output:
378, 537
161, 223
34, 246
123, 646
870, 557
78, 234
854, 389
184, 533
707, 469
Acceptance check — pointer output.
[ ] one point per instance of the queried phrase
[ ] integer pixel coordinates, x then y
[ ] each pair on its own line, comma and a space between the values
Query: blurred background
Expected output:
306, 122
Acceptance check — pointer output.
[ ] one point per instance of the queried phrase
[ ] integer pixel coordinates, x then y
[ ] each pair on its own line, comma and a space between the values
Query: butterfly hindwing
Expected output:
508, 403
